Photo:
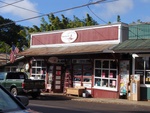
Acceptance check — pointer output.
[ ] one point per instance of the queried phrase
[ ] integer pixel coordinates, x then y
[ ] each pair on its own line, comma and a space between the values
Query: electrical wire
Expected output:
96, 14
21, 7
10, 3
76, 7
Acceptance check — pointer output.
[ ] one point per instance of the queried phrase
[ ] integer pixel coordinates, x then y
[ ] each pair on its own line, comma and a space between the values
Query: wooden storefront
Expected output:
79, 57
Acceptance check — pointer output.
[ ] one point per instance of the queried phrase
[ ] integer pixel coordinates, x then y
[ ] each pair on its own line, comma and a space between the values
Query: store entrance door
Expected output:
58, 79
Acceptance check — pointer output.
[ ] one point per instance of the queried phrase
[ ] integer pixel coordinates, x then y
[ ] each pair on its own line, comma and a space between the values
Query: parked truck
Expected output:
18, 83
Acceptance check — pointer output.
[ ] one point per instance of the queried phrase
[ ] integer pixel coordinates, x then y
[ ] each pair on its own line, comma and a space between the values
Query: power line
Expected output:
88, 4
10, 3
97, 15
20, 7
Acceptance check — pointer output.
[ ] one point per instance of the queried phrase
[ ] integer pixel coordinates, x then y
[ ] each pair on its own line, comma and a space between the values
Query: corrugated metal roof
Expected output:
4, 58
66, 50
139, 31
133, 45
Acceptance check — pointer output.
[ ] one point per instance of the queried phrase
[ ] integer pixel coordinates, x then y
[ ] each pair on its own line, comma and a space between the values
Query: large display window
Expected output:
38, 69
82, 73
105, 72
142, 67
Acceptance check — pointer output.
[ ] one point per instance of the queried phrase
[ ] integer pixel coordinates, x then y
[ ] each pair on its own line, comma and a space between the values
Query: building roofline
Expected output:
79, 28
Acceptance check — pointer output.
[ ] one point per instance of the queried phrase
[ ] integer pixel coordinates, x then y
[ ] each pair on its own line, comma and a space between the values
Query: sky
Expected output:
21, 11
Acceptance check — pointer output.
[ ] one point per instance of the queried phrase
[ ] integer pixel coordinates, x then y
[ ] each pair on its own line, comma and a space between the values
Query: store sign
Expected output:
69, 36
53, 59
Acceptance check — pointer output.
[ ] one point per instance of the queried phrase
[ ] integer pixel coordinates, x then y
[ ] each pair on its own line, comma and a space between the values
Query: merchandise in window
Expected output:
105, 74
38, 69
142, 67
82, 73
147, 77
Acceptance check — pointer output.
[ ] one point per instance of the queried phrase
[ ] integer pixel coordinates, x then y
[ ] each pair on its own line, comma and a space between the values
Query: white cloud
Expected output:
116, 8
21, 13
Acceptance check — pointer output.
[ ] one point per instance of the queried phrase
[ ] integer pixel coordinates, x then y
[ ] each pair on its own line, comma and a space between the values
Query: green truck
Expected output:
18, 83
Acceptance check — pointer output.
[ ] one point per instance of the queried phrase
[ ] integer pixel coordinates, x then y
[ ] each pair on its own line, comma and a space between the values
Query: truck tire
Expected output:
35, 94
14, 91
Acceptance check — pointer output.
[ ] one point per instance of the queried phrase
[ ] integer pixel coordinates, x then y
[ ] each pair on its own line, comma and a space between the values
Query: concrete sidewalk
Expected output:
97, 100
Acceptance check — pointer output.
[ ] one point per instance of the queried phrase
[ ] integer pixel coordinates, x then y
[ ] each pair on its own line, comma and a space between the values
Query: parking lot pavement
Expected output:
98, 100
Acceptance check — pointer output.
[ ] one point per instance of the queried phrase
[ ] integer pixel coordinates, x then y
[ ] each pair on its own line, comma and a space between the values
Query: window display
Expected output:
147, 77
82, 73
142, 67
38, 69
105, 74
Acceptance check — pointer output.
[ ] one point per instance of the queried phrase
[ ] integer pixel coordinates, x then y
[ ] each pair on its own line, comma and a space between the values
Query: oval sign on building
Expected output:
69, 36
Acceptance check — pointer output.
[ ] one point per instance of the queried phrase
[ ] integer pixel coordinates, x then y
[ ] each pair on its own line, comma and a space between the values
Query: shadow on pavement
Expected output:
55, 97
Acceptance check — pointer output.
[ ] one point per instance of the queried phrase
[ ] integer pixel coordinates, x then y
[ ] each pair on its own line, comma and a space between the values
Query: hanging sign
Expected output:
69, 36
53, 59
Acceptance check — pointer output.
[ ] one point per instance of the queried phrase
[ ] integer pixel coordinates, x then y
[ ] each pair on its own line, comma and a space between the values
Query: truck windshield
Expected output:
2, 75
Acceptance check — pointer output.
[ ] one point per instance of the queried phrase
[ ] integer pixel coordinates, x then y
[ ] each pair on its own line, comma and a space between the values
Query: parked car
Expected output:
13, 104
18, 83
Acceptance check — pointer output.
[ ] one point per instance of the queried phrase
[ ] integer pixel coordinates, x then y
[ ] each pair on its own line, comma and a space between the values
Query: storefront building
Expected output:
78, 57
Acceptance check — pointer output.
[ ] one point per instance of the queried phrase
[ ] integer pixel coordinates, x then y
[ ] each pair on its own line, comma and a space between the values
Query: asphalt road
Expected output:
53, 104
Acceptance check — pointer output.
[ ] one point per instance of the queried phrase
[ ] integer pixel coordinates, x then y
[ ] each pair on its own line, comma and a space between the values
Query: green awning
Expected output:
133, 46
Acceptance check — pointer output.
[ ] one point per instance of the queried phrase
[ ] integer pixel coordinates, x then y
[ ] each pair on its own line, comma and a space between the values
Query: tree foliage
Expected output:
9, 34
20, 35
56, 23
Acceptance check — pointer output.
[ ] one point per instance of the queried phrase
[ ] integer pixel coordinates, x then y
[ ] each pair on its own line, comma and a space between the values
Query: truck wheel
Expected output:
14, 91
35, 95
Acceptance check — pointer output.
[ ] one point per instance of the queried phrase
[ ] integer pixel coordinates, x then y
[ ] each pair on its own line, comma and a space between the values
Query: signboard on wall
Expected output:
53, 60
69, 36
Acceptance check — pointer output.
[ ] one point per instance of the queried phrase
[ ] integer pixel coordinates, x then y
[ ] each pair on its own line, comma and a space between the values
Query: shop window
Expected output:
147, 77
113, 65
87, 70
97, 82
139, 63
82, 73
142, 67
97, 73
97, 64
105, 75
112, 74
38, 69
105, 64
87, 73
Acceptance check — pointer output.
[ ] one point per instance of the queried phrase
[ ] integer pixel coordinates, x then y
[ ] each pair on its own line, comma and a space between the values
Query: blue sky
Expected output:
129, 10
